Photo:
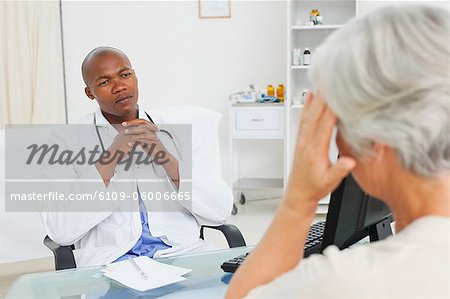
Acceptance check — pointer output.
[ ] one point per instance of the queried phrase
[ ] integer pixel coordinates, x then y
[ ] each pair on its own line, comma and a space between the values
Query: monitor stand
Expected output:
381, 230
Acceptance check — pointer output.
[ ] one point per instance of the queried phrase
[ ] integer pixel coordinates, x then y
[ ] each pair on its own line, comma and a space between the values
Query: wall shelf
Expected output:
300, 67
336, 14
258, 183
317, 27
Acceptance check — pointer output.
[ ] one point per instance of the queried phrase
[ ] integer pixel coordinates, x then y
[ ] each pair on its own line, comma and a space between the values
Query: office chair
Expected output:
64, 258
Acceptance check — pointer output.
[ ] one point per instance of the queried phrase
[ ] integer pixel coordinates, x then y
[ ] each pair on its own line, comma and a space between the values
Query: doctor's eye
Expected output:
103, 83
127, 74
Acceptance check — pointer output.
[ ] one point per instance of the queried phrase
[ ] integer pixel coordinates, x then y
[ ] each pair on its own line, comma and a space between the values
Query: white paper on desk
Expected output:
158, 274
148, 264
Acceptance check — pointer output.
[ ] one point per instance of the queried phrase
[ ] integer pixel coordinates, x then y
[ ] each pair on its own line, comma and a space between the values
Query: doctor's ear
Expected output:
88, 92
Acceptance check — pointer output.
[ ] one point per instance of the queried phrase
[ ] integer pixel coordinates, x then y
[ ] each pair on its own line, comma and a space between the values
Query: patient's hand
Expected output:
313, 176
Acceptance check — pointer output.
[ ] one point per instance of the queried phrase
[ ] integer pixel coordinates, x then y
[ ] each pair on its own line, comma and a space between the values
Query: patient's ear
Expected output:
88, 92
381, 151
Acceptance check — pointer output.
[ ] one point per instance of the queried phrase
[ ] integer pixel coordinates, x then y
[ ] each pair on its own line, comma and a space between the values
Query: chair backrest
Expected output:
205, 126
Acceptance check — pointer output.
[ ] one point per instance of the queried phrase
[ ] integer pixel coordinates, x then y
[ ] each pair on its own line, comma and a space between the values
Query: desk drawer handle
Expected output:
257, 119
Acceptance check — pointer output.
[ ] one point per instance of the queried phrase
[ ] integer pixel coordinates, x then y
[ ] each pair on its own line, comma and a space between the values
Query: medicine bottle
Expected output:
297, 56
306, 57
270, 91
280, 93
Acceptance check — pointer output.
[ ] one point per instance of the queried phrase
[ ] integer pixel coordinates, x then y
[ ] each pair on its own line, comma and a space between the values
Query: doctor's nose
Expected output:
118, 87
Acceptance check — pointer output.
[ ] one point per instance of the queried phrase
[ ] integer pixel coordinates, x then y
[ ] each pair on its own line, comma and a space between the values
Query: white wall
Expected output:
181, 59
366, 6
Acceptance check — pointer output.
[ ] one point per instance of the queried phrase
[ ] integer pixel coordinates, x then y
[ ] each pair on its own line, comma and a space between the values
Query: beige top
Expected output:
413, 264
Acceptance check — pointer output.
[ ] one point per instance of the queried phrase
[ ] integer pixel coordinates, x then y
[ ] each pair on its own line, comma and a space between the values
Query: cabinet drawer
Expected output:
258, 119
257, 122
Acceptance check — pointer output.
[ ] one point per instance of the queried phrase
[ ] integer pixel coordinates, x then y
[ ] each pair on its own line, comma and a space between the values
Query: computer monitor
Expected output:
354, 215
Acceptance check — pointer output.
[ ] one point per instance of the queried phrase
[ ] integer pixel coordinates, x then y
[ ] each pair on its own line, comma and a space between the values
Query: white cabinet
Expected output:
254, 121
300, 36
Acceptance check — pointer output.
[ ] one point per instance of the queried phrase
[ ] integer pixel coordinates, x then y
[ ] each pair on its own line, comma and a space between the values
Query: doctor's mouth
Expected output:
52, 154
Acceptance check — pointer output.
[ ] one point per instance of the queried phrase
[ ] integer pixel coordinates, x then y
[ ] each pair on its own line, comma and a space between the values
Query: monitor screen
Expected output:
353, 215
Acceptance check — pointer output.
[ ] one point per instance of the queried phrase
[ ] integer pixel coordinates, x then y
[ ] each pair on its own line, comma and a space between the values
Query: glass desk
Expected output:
207, 280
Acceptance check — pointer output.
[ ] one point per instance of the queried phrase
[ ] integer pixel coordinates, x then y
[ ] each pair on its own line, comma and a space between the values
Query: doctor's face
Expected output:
113, 83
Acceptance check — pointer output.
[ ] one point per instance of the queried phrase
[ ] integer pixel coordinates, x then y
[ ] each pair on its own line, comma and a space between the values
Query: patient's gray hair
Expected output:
387, 78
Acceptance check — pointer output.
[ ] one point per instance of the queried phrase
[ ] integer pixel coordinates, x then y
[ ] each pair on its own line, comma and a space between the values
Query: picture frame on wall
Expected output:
214, 9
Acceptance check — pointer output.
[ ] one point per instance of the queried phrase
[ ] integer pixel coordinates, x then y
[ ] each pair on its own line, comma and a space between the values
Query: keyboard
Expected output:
312, 245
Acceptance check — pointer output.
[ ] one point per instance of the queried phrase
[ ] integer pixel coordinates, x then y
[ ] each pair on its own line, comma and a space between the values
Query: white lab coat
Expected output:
102, 237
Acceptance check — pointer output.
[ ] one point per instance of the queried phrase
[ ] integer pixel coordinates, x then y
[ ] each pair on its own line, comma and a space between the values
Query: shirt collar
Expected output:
100, 120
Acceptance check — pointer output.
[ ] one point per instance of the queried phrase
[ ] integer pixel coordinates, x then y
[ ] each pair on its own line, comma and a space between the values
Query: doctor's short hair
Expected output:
387, 78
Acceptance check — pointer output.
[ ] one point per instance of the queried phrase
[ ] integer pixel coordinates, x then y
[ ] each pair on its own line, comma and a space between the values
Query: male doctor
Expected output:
110, 236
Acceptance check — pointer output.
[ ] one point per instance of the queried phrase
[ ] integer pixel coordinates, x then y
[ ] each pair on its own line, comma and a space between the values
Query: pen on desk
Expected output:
144, 276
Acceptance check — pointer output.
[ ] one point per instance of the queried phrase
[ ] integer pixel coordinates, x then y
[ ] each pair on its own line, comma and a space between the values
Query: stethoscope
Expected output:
151, 120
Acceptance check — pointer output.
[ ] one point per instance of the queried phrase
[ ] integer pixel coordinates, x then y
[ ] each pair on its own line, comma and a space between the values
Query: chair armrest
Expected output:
231, 233
63, 255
